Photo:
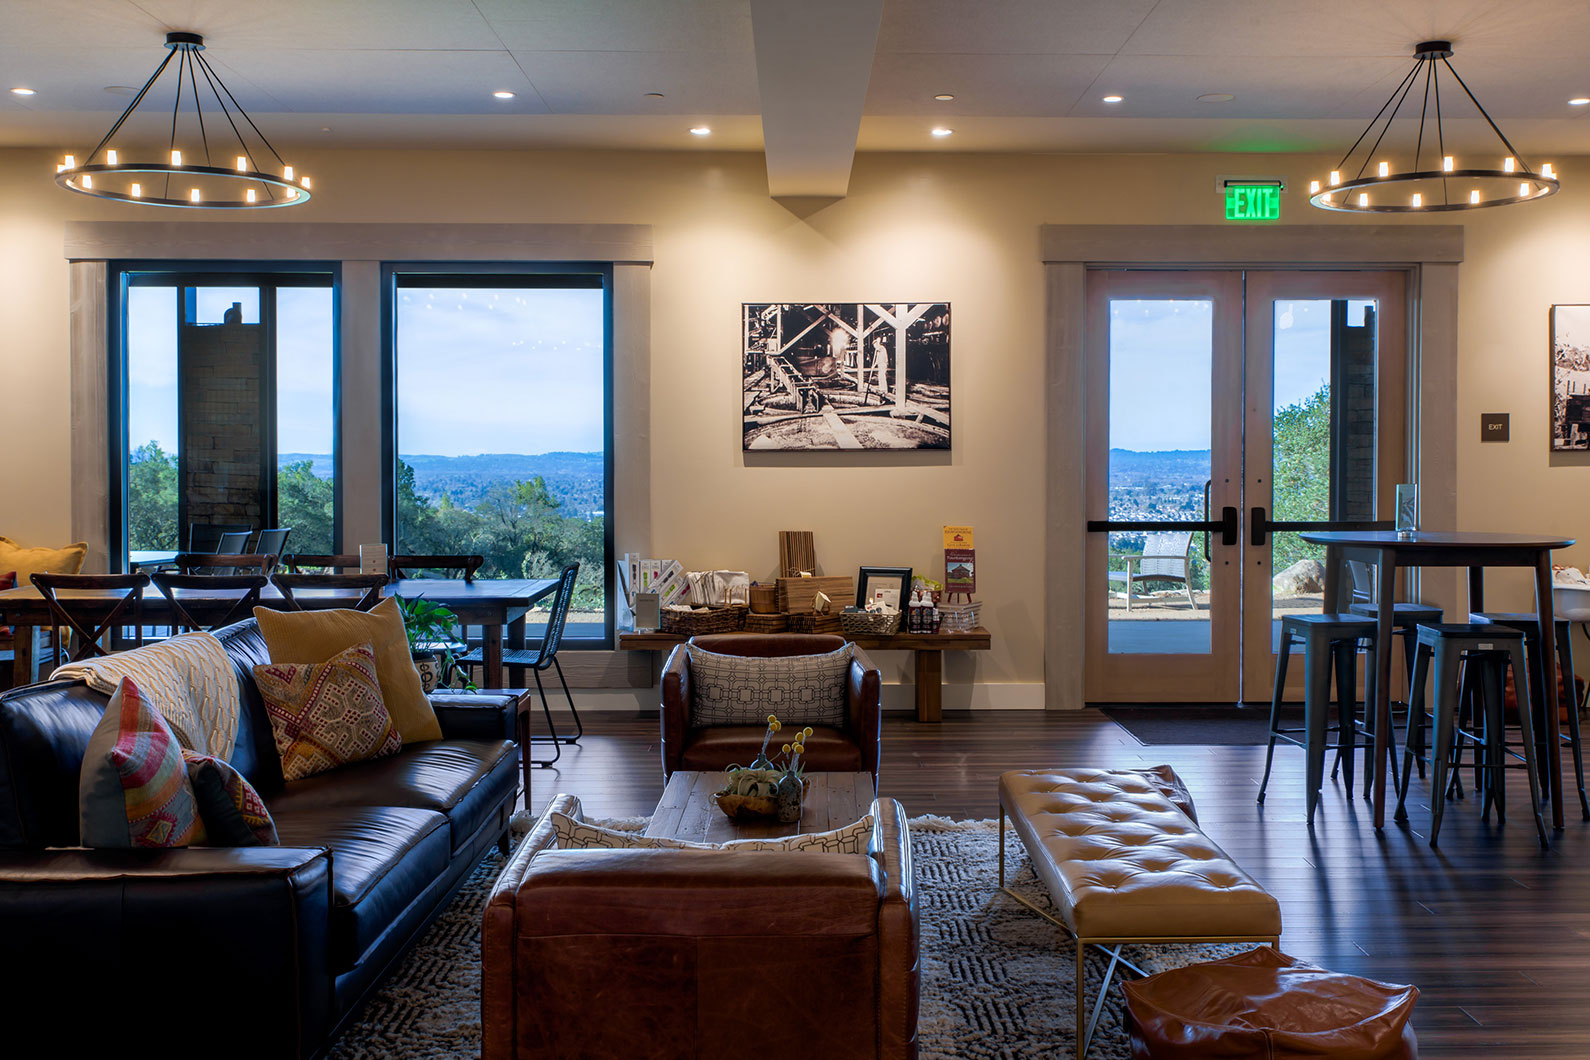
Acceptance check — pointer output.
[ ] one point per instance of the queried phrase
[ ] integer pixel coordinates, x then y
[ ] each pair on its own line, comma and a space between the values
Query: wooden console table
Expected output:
929, 649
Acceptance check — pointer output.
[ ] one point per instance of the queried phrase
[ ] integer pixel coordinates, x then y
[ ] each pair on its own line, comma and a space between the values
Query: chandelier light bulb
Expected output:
137, 191
287, 173
1336, 178
60, 166
1313, 187
305, 183
193, 195
1507, 165
110, 157
1474, 197
1363, 198
88, 181
242, 163
1418, 200
251, 195
1385, 169
1545, 170
1326, 197
1448, 163
71, 162
1523, 191
176, 158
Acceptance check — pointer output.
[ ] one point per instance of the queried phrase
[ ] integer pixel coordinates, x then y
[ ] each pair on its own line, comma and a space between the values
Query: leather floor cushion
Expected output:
827, 750
464, 779
382, 859
1264, 1003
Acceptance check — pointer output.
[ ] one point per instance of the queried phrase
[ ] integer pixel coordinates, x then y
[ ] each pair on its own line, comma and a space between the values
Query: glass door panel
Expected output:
1164, 465
1324, 439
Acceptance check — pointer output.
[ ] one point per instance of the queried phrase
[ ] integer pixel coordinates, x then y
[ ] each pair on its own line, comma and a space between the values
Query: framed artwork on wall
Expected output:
845, 375
1570, 378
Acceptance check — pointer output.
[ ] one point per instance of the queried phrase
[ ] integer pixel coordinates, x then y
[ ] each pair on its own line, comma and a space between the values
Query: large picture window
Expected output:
502, 426
228, 417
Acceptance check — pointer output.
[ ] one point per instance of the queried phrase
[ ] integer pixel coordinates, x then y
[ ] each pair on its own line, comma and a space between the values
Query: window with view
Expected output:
502, 427
229, 417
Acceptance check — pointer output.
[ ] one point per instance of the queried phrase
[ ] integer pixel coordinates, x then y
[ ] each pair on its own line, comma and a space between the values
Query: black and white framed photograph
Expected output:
845, 375
893, 582
1570, 377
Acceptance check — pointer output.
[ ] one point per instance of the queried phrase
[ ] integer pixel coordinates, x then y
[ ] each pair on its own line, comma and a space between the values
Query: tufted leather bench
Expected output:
1124, 863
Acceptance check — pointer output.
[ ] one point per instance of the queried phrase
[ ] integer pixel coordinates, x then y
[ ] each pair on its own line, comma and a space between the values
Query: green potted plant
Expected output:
429, 627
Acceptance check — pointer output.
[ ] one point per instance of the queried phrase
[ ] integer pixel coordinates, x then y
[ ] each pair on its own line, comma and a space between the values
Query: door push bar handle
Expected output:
1229, 525
1262, 526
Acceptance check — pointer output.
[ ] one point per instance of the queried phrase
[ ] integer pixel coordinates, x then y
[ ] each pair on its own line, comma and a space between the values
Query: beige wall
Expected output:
960, 228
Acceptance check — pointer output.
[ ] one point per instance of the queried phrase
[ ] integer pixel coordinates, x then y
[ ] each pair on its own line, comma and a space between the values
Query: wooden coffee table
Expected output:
687, 810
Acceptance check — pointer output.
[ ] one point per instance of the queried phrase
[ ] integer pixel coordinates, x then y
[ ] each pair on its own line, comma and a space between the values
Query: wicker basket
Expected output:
755, 623
869, 623
695, 623
810, 622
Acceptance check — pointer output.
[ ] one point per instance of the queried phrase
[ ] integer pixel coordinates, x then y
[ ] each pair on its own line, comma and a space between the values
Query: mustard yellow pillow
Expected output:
30, 561
317, 636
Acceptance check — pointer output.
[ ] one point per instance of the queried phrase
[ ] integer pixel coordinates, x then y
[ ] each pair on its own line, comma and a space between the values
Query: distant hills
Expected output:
1165, 467
573, 478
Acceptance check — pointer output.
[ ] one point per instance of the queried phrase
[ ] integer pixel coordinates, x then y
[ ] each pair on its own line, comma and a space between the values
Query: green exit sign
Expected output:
1253, 202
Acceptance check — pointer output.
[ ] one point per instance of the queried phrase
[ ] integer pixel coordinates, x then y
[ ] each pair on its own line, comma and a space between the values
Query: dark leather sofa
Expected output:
852, 749
235, 951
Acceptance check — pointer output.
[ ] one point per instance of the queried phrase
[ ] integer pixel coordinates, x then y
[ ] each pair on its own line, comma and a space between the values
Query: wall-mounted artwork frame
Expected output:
845, 376
870, 579
1570, 378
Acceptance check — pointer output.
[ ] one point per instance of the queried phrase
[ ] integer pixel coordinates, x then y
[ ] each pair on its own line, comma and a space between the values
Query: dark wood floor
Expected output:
1493, 930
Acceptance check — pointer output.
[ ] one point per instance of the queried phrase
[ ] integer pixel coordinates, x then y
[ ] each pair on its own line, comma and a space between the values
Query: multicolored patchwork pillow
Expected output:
234, 815
133, 790
327, 714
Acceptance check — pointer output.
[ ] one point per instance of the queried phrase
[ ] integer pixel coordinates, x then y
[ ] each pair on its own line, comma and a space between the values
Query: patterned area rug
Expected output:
997, 979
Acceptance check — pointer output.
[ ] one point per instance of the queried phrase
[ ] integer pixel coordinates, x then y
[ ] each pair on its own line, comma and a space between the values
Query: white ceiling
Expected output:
1027, 74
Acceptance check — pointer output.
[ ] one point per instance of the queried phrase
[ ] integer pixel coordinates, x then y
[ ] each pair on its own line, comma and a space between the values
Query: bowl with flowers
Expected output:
773, 785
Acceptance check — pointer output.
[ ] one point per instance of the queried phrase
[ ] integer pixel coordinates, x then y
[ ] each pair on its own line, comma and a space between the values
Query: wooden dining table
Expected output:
499, 606
1391, 549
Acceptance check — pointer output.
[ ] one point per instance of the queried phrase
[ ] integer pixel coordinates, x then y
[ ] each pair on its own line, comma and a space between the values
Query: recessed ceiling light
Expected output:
1578, 101
654, 95
700, 130
944, 97
23, 92
121, 90
942, 131
1216, 97
504, 94
1112, 99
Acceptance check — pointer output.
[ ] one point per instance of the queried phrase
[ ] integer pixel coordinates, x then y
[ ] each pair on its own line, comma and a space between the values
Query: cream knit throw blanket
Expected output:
190, 679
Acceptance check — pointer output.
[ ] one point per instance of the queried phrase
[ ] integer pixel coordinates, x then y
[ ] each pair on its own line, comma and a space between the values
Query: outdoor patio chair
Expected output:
1167, 557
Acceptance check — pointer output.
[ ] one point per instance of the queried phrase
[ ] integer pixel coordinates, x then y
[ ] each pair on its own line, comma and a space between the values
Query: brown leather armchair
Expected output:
853, 749
706, 954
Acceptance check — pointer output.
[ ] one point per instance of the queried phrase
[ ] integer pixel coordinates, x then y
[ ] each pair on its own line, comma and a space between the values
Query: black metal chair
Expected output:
271, 542
234, 542
535, 660
224, 563
345, 584
62, 611
206, 537
249, 585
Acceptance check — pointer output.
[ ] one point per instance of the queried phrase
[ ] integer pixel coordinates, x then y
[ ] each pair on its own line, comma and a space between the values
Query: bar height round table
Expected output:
1435, 548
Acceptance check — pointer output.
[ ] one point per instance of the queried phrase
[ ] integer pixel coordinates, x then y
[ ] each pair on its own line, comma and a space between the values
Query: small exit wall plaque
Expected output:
1493, 426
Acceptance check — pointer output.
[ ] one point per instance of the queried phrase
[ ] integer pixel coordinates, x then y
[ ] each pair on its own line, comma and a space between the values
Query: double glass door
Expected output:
1228, 411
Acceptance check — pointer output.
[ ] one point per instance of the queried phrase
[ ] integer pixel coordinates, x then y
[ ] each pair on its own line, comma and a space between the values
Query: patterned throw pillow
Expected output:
133, 790
234, 815
327, 714
744, 690
574, 834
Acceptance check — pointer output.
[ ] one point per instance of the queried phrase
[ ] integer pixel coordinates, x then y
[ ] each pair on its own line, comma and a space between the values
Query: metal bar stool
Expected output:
1529, 625
1329, 641
1406, 618
1470, 662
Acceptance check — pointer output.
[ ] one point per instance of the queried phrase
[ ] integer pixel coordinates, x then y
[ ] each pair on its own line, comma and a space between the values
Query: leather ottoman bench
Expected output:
1123, 864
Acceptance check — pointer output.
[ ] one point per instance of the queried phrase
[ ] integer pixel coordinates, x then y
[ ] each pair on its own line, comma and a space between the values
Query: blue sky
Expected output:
526, 364
1160, 354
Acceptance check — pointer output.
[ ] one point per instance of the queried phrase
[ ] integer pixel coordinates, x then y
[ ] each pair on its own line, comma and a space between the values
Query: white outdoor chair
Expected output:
1166, 557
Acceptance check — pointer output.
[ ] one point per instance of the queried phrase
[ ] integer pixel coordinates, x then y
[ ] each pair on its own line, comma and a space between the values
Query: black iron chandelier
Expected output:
196, 183
1425, 190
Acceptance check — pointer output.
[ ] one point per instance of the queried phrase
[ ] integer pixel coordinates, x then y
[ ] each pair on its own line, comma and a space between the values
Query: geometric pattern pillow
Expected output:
744, 690
574, 834
133, 790
328, 714
233, 813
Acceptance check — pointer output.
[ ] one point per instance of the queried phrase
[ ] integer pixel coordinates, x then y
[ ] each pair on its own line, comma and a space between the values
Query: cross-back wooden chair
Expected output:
410, 566
250, 585
224, 563
315, 562
369, 584
72, 612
